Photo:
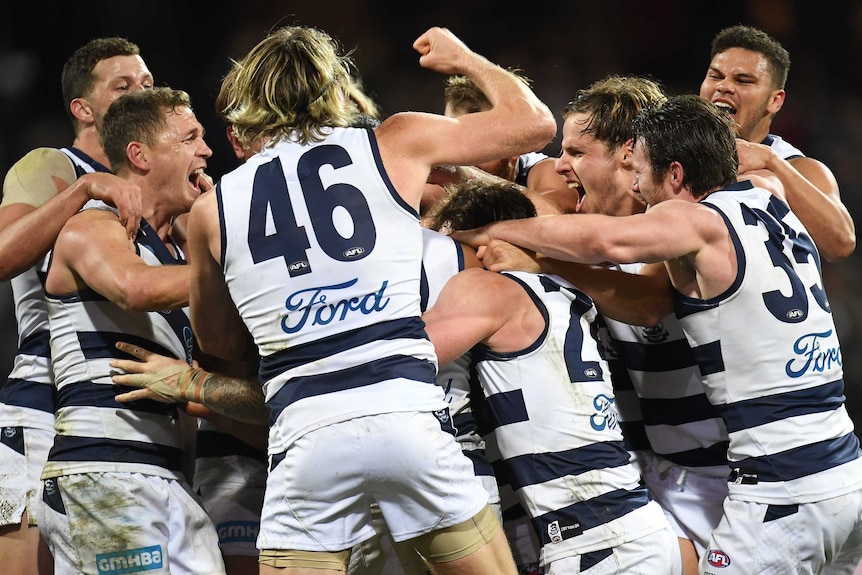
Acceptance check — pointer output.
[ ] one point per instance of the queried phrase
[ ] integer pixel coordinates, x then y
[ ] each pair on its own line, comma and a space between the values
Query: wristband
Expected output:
191, 385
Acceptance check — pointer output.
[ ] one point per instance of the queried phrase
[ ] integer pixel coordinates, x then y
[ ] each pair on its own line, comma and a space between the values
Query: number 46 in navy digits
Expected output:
290, 240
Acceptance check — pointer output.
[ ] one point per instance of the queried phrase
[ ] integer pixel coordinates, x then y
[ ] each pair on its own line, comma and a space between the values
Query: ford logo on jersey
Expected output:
321, 306
718, 558
814, 355
605, 416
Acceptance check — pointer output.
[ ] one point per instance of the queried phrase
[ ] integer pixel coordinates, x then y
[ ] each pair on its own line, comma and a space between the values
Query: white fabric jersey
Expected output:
442, 258
677, 420
557, 430
94, 432
322, 259
771, 360
525, 164
784, 149
28, 397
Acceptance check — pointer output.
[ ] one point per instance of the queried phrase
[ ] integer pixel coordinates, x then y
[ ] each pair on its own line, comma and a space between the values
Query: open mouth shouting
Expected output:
199, 181
579, 189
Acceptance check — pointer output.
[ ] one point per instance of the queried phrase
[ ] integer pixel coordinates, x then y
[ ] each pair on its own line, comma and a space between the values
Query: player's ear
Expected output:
677, 174
136, 153
626, 152
776, 101
237, 148
81, 110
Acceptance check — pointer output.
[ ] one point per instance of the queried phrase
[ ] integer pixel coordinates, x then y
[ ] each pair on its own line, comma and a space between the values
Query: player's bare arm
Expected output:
412, 143
40, 193
93, 251
171, 380
476, 306
215, 320
812, 192
637, 299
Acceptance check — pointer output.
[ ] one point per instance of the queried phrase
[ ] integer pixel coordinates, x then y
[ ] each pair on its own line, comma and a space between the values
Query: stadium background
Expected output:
562, 46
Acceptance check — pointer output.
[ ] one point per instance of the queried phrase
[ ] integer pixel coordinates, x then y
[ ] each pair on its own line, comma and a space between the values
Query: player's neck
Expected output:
759, 132
88, 142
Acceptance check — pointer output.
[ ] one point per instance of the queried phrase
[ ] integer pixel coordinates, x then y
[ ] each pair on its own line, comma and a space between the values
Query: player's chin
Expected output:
189, 196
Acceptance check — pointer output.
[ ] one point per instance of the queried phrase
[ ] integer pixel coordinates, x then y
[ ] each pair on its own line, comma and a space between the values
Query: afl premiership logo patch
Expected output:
354, 252
718, 558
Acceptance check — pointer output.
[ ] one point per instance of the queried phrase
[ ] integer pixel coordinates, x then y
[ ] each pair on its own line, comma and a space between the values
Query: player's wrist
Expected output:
191, 384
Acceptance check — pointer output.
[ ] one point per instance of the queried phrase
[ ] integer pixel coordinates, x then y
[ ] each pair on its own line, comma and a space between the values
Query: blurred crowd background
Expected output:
561, 46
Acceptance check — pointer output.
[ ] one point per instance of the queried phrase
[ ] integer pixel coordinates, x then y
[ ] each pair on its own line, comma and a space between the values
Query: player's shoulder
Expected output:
36, 177
44, 159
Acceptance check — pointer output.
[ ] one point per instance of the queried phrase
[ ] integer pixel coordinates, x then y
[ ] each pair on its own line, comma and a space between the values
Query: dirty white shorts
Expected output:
111, 523
23, 452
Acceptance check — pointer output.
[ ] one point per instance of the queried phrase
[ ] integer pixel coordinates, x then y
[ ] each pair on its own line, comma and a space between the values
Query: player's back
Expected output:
771, 359
322, 259
557, 430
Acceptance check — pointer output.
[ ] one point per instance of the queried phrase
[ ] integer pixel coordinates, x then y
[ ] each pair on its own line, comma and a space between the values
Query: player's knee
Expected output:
279, 559
457, 541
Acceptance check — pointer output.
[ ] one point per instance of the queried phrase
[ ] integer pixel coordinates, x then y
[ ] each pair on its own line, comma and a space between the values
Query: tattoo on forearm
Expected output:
240, 399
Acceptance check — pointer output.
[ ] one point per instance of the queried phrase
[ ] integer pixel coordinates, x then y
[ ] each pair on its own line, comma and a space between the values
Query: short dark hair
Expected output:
694, 132
138, 116
77, 77
755, 40
475, 203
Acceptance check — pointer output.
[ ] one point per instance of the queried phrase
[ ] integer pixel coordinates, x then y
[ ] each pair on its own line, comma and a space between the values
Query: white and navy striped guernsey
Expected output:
771, 359
672, 415
660, 395
322, 258
94, 432
557, 431
784, 149
28, 398
525, 164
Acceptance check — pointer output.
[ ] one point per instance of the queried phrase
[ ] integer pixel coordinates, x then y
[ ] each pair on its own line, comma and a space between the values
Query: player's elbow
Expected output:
14, 261
604, 249
544, 130
840, 248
